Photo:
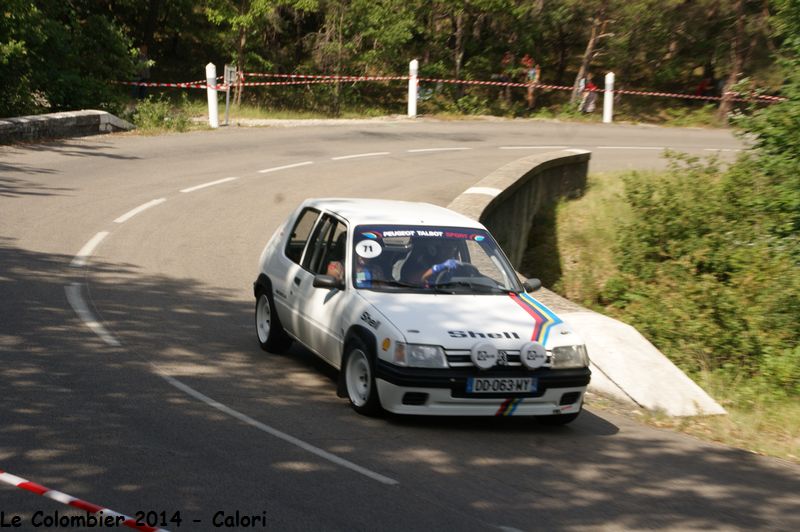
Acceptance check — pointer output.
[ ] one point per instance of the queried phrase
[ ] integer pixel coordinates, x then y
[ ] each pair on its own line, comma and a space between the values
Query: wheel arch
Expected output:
262, 283
369, 339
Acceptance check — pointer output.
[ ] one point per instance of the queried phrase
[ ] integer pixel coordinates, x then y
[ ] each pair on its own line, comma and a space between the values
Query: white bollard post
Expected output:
413, 68
211, 80
608, 99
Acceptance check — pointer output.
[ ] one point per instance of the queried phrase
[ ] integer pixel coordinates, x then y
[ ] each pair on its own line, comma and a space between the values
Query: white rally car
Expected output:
419, 309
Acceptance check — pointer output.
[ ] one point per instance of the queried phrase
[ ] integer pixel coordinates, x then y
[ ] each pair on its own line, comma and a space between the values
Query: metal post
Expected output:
227, 102
229, 78
211, 81
608, 99
413, 68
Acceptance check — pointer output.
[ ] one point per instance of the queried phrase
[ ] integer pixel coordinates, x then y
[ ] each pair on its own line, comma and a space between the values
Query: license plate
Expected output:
501, 385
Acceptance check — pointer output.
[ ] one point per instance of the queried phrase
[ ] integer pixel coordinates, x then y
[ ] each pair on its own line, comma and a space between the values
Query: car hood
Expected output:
459, 321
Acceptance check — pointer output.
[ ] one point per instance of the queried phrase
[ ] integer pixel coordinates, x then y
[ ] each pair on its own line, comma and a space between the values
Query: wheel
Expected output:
359, 379
271, 336
558, 419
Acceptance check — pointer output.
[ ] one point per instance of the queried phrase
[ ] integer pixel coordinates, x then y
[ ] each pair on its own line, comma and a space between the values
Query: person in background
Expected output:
532, 75
588, 95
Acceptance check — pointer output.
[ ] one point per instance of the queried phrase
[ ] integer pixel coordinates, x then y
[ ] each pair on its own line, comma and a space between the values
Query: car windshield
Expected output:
454, 260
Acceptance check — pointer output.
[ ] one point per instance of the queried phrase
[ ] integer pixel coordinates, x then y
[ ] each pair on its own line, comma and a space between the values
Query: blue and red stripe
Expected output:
544, 318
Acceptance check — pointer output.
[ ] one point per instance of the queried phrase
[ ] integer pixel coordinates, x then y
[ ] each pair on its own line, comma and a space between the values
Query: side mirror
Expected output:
327, 281
531, 285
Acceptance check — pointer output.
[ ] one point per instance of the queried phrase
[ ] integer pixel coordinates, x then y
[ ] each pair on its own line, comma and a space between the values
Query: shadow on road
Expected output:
79, 415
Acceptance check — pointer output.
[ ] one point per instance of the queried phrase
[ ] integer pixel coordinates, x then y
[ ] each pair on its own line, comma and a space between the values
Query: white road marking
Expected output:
80, 307
630, 148
721, 149
211, 184
489, 191
133, 212
285, 167
356, 156
421, 150
278, 434
87, 249
532, 147
82, 310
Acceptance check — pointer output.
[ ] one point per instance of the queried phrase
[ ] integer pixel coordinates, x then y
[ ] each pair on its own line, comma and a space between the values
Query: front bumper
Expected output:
444, 391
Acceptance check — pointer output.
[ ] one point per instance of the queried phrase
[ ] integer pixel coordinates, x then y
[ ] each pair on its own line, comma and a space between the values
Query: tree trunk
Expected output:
243, 7
588, 55
458, 51
240, 63
737, 59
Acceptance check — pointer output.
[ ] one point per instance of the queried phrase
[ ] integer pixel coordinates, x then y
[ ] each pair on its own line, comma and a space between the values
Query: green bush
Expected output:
160, 114
708, 274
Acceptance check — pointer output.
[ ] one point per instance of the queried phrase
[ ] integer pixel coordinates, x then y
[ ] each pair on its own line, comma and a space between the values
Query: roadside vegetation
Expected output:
67, 55
704, 260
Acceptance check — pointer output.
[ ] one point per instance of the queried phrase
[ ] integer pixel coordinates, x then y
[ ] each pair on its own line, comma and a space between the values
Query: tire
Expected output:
359, 378
558, 419
269, 331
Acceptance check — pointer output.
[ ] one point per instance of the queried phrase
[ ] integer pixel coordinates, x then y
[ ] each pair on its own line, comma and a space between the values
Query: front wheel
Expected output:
271, 336
359, 379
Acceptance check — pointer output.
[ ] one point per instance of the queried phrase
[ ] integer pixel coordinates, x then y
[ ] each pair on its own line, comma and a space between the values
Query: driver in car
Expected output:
446, 261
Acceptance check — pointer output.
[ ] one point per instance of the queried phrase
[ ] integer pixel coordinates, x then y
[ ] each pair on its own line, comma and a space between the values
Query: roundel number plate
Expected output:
533, 355
484, 355
368, 249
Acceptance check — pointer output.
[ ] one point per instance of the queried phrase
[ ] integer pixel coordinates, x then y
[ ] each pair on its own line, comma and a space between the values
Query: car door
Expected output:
319, 309
288, 270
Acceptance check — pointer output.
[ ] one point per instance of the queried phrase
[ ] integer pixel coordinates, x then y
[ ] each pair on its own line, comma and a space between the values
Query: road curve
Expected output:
132, 379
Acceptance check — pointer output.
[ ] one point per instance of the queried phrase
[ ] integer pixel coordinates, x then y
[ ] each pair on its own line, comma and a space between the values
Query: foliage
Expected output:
708, 273
63, 55
60, 56
159, 114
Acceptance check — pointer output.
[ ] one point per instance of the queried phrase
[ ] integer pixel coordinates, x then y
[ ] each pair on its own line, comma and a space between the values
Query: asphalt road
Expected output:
155, 396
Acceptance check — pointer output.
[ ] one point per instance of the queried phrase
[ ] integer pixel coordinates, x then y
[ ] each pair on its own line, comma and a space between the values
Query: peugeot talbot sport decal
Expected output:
543, 317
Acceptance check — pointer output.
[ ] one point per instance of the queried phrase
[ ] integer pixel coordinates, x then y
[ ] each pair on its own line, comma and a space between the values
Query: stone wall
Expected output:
58, 125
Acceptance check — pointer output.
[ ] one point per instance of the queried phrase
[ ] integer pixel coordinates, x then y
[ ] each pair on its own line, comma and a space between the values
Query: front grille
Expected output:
460, 358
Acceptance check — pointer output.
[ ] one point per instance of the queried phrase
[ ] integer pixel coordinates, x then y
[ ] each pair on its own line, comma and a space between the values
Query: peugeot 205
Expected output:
419, 310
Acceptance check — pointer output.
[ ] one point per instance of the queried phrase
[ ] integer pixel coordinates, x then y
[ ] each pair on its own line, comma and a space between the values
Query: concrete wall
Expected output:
506, 200
624, 364
56, 125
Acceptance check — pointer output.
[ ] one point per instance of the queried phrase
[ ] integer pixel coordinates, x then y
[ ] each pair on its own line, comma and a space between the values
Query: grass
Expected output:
678, 114
582, 240
584, 235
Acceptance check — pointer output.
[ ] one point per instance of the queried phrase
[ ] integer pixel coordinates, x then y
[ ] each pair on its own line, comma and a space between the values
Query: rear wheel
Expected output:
271, 336
359, 379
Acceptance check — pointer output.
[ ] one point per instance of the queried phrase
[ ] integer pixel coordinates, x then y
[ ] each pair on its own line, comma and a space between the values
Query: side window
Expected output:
327, 245
300, 233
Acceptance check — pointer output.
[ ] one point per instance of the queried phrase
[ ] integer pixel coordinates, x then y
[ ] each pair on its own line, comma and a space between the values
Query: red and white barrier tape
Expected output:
187, 85
307, 79
69, 500
328, 77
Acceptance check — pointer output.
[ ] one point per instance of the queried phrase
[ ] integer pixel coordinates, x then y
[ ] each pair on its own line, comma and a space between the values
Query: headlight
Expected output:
570, 356
419, 356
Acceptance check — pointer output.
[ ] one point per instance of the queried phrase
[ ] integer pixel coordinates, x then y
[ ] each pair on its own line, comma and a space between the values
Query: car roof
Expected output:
360, 211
